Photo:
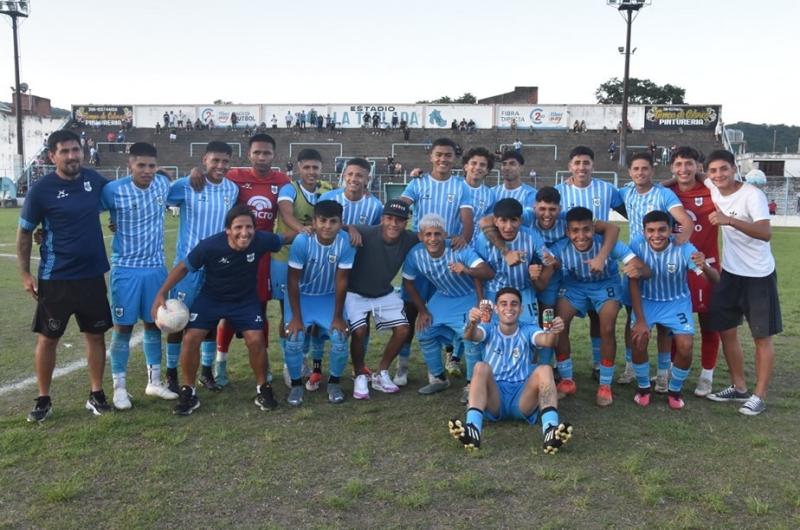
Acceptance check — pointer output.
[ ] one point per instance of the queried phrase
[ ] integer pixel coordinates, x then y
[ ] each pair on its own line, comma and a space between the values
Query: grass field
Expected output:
390, 462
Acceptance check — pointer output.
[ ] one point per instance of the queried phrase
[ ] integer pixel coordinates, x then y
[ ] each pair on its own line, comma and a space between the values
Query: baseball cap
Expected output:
397, 208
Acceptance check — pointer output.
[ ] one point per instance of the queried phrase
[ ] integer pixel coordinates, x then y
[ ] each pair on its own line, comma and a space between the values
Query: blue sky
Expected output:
736, 53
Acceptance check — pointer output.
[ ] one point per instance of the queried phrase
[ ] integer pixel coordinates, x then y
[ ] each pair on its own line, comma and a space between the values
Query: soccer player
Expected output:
202, 215
230, 262
258, 188
642, 196
585, 290
137, 204
369, 292
449, 197
478, 162
696, 199
663, 299
511, 164
358, 206
452, 272
73, 261
507, 383
317, 283
581, 189
296, 202
748, 283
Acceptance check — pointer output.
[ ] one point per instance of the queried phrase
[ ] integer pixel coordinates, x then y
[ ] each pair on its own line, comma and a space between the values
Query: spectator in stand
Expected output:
406, 132
234, 120
158, 127
166, 119
376, 120
619, 127
198, 124
274, 122
94, 156
454, 125
289, 168
173, 135
517, 145
773, 207
583, 126
513, 124
471, 125
718, 131
320, 122
395, 120
189, 126
303, 120
366, 120
111, 137
462, 125
329, 122
576, 127
312, 117
612, 149
384, 127
181, 118
651, 150
288, 119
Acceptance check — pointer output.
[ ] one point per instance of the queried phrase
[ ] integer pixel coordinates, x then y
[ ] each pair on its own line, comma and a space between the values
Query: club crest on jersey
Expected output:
596, 201
698, 201
119, 311
226, 200
362, 219
331, 258
87, 185
61, 194
159, 199
671, 267
274, 188
247, 186
515, 353
251, 257
450, 197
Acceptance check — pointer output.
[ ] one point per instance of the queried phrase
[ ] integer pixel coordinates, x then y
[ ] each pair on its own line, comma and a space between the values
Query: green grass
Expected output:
390, 462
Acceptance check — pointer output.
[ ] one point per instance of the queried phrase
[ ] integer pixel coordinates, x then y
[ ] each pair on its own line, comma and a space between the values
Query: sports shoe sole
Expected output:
93, 409
457, 430
561, 436
268, 406
47, 414
188, 411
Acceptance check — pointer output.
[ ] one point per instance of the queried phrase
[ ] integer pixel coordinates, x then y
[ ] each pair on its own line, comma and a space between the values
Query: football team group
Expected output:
492, 278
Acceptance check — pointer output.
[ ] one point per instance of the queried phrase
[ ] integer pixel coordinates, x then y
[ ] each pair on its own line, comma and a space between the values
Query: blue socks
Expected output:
152, 346
208, 352
546, 356
677, 378
432, 353
565, 368
595, 351
642, 374
339, 353
606, 374
549, 418
173, 354
475, 417
318, 348
120, 350
293, 355
472, 352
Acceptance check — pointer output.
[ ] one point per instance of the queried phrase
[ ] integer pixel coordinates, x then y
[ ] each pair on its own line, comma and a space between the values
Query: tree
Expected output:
640, 91
466, 98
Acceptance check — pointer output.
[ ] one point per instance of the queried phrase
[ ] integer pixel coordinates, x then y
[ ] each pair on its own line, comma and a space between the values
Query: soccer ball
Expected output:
174, 317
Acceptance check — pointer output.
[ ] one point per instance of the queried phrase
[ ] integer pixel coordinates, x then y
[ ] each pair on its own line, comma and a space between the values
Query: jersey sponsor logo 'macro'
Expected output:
262, 207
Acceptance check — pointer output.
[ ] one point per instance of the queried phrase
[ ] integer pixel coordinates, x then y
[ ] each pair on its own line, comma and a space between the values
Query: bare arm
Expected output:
761, 230
286, 211
472, 332
640, 332
610, 233
338, 322
24, 246
293, 290
686, 223
549, 339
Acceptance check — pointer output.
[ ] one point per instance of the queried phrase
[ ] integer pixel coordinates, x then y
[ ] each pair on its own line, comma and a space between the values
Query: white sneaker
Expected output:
122, 401
703, 387
401, 377
159, 390
382, 382
287, 379
628, 376
662, 384
361, 387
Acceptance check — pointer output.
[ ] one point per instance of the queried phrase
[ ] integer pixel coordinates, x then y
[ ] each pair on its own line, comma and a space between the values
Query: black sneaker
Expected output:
555, 436
468, 434
209, 383
265, 400
42, 410
97, 404
187, 401
729, 394
596, 374
172, 380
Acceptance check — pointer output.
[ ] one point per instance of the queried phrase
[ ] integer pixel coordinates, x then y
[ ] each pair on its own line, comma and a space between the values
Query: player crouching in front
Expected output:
664, 299
230, 260
506, 384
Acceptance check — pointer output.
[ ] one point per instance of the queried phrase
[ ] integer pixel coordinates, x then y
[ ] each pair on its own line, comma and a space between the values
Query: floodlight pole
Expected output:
18, 93
628, 6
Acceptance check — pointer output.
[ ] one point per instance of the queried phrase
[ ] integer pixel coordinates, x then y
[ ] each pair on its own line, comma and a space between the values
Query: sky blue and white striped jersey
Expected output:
319, 262
445, 198
510, 356
668, 270
552, 235
482, 200
367, 211
202, 214
574, 266
289, 193
599, 196
525, 194
437, 270
527, 241
139, 217
638, 205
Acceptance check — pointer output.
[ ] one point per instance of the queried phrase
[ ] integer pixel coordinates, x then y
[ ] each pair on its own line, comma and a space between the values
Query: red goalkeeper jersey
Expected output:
260, 194
697, 202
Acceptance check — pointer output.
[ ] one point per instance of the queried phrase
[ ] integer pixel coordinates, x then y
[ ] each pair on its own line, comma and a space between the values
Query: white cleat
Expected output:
122, 400
159, 390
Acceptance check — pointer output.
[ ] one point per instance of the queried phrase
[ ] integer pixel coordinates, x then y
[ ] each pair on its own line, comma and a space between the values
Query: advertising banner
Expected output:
442, 116
532, 116
221, 115
148, 115
685, 116
102, 114
350, 116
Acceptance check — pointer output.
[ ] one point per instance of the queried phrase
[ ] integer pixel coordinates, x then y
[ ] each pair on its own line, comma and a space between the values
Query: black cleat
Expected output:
265, 400
172, 380
97, 404
187, 401
468, 434
596, 374
209, 383
555, 436
42, 410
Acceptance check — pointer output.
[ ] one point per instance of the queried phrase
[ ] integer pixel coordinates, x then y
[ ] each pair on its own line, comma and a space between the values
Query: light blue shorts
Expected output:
510, 394
189, 287
133, 291
587, 296
675, 315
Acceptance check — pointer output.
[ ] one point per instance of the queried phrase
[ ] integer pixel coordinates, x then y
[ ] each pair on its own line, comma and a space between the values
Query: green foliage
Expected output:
466, 98
640, 91
759, 136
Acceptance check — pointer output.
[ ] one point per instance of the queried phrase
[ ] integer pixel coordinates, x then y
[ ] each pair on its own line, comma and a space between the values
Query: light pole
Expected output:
17, 9
626, 8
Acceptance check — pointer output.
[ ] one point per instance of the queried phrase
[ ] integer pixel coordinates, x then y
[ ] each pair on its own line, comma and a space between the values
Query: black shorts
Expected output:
59, 299
756, 299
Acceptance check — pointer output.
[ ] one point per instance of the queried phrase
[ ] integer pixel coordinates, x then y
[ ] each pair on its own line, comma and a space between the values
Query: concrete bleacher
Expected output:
545, 151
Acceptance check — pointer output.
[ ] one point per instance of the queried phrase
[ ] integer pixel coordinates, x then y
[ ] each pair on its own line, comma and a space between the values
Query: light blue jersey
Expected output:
446, 198
366, 211
551, 235
437, 270
138, 215
517, 276
574, 263
510, 356
482, 200
319, 262
598, 196
657, 198
202, 214
668, 269
288, 192
524, 194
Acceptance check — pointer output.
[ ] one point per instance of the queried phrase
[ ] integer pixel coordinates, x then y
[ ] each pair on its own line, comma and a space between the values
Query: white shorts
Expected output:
387, 310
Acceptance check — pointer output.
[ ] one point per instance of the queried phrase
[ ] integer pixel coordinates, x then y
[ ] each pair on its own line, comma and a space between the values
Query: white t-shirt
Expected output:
741, 254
